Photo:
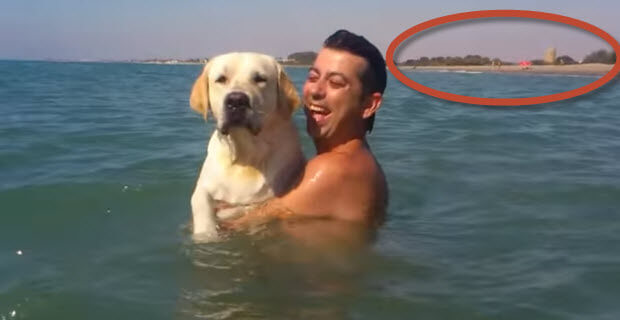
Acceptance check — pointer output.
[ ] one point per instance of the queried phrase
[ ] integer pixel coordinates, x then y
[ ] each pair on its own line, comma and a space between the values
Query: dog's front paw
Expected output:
208, 235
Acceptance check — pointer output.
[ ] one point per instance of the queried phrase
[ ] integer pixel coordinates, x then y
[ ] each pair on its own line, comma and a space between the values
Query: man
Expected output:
343, 182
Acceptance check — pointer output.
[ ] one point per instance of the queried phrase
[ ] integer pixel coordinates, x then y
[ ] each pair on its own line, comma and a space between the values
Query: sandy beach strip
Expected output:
573, 69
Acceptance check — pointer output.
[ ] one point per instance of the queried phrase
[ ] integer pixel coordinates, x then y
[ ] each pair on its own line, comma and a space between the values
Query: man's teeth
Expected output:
318, 109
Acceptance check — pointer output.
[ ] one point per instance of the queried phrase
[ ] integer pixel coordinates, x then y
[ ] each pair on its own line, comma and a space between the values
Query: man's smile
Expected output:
319, 113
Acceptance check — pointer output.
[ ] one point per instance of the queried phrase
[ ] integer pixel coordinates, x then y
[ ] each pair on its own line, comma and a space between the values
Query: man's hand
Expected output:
262, 214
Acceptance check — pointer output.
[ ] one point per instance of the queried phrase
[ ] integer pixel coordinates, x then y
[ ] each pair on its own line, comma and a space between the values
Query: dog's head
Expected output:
244, 90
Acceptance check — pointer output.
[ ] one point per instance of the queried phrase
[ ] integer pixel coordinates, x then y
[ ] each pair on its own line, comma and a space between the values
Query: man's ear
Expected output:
288, 99
372, 104
199, 98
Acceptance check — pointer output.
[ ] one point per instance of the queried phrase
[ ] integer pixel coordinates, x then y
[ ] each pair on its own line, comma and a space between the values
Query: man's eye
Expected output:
221, 79
312, 77
336, 84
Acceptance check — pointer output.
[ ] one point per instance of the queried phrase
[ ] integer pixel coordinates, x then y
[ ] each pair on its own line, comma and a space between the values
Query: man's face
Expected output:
333, 93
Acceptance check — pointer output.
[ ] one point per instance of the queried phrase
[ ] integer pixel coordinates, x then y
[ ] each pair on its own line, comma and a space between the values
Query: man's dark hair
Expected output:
375, 77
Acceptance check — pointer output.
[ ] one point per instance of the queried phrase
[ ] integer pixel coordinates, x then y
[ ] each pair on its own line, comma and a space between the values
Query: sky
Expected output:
130, 29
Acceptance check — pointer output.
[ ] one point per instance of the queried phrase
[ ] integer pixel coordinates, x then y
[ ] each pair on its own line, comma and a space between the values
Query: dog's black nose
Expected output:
237, 100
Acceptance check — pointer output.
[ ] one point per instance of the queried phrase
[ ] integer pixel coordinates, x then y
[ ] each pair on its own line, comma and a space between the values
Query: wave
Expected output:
467, 71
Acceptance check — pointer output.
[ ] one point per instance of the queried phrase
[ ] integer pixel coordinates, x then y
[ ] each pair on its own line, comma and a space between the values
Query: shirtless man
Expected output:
343, 182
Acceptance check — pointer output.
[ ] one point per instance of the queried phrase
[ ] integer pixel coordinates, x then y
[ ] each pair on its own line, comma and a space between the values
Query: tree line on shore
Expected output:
307, 58
599, 56
468, 60
299, 58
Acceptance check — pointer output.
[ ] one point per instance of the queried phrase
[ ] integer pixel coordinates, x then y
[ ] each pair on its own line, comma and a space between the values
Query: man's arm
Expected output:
312, 196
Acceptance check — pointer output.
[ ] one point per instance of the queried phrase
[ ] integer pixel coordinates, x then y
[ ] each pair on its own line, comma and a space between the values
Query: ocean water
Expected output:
495, 213
499, 85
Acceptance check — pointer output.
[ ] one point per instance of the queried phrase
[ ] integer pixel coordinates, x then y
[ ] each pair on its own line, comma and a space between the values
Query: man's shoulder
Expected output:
326, 168
329, 160
341, 165
355, 183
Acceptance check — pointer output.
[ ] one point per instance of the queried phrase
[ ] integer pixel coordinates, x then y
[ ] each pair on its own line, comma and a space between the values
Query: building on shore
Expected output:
549, 57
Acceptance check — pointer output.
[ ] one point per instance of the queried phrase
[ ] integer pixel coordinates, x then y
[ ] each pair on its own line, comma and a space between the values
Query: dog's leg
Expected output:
203, 214
231, 213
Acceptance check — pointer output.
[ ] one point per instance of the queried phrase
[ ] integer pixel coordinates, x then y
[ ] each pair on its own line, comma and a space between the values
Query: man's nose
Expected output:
317, 90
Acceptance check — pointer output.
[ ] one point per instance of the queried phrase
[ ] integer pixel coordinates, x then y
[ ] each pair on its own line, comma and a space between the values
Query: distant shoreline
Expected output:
572, 69
593, 69
167, 63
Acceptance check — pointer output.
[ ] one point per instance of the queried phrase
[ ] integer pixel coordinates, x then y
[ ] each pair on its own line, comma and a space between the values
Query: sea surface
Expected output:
495, 212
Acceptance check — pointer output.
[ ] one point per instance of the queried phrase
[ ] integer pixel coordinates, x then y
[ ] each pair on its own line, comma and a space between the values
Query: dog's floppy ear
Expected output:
288, 99
199, 98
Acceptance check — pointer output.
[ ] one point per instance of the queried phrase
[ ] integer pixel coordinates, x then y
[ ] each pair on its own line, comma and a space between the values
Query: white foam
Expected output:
466, 71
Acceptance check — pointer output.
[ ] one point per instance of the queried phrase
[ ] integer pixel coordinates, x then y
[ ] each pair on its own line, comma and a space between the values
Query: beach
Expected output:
580, 69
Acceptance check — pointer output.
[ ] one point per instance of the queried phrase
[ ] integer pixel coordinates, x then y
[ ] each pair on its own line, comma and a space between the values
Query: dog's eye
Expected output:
221, 79
259, 79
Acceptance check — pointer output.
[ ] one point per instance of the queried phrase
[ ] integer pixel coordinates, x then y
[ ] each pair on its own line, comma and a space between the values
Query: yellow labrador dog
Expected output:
254, 153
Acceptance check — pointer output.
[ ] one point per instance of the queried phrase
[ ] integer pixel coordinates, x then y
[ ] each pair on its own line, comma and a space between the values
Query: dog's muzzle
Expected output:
236, 107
